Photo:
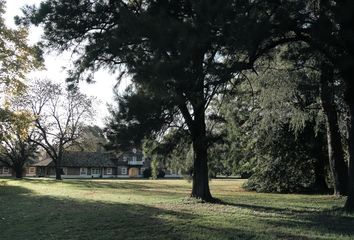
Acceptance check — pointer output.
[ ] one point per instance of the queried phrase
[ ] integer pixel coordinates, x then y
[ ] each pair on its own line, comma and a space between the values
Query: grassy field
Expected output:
147, 209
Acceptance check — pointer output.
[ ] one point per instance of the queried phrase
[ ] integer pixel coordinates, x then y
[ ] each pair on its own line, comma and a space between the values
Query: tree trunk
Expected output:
58, 169
57, 172
200, 189
349, 205
58, 161
337, 163
18, 171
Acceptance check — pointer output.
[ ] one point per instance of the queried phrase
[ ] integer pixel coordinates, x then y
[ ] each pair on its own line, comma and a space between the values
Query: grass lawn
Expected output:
147, 209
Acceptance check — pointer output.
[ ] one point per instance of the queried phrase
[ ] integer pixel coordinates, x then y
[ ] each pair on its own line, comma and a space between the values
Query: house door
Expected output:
133, 172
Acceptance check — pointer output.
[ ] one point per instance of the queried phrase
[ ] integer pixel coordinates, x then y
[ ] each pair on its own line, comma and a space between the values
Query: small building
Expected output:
93, 165
6, 171
75, 164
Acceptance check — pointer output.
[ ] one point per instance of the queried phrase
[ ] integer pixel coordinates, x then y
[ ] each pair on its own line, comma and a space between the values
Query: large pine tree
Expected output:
179, 55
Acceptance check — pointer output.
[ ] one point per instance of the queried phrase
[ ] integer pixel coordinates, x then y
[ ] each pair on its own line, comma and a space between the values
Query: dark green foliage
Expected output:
147, 173
161, 174
230, 153
287, 163
130, 122
273, 127
173, 151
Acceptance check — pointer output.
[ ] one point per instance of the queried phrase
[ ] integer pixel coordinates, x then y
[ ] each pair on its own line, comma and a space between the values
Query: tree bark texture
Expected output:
200, 188
338, 166
19, 171
57, 172
349, 205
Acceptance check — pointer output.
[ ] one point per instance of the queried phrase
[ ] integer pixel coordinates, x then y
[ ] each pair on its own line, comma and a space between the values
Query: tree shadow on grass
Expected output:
25, 215
331, 222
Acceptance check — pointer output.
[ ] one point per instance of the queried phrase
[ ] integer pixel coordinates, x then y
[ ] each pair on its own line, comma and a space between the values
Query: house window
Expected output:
32, 170
124, 158
134, 150
95, 171
109, 171
6, 170
134, 158
83, 171
124, 170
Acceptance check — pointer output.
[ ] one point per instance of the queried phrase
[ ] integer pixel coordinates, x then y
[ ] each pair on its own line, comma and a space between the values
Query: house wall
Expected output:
29, 173
113, 172
73, 171
51, 171
3, 173
121, 172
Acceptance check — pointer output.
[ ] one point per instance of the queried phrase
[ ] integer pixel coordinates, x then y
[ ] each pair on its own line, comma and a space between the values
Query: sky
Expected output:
102, 89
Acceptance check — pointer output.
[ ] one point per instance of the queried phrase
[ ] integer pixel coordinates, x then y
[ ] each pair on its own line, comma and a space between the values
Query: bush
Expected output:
283, 175
288, 163
147, 173
161, 174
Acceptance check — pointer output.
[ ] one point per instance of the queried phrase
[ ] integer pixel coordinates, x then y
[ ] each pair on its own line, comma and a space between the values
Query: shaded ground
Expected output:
147, 209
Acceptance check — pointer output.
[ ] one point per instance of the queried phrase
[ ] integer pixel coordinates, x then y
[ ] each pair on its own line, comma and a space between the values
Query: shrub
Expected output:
161, 174
283, 175
147, 173
288, 162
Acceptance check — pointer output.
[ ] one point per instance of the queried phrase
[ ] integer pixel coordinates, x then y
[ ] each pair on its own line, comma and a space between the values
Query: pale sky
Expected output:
54, 64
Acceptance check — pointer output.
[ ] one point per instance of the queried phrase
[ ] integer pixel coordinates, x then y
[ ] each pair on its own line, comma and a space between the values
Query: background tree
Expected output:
17, 57
16, 147
330, 92
284, 114
173, 151
91, 139
59, 117
327, 27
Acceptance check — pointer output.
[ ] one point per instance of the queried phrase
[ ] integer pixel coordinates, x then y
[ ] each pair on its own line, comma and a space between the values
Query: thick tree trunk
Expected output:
18, 171
58, 169
337, 163
200, 189
58, 172
349, 205
58, 161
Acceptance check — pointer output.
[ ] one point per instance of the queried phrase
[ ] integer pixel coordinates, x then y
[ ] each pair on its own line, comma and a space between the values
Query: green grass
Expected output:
148, 209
